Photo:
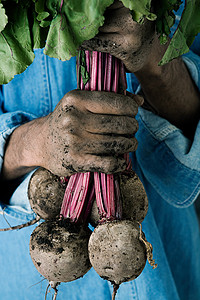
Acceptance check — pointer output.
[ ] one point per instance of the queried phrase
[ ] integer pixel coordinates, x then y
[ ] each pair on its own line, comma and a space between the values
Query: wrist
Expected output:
151, 67
24, 150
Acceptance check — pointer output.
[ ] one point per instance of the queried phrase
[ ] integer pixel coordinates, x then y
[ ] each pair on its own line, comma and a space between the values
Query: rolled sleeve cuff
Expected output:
8, 123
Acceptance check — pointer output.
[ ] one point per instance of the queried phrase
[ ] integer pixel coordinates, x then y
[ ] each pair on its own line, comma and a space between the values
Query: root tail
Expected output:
32, 222
115, 289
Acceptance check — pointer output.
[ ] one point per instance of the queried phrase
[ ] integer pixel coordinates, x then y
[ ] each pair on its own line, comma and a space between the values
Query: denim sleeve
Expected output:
8, 123
169, 160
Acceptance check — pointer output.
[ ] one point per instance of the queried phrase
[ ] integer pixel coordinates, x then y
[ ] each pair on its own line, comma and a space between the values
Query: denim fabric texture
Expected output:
167, 163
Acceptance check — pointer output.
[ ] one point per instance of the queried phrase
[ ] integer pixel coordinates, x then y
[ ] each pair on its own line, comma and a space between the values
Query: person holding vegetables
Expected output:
45, 121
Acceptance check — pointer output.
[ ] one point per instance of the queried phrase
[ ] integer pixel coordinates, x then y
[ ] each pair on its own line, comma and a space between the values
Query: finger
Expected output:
137, 98
102, 164
107, 103
110, 124
105, 42
119, 21
110, 146
119, 45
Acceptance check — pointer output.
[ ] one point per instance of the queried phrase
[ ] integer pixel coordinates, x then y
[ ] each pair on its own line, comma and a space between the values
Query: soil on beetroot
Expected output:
45, 194
59, 250
134, 198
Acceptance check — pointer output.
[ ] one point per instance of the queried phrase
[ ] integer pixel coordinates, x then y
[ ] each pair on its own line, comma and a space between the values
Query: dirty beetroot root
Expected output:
45, 193
134, 198
59, 250
115, 251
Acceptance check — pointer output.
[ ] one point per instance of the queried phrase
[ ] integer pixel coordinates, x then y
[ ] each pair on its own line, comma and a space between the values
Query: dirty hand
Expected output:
122, 37
90, 131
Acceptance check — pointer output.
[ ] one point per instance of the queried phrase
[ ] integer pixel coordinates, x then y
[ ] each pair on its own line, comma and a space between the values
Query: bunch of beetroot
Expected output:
63, 248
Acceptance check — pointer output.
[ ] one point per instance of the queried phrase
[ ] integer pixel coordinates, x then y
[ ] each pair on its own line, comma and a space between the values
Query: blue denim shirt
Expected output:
167, 163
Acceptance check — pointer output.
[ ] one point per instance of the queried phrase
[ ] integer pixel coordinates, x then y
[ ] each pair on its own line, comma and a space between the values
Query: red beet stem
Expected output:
89, 203
100, 71
87, 56
110, 197
107, 74
116, 76
118, 200
123, 78
99, 199
80, 201
69, 195
104, 190
94, 71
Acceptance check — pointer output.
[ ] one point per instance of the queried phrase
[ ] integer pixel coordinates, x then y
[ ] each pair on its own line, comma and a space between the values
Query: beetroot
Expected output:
59, 250
45, 194
116, 252
134, 198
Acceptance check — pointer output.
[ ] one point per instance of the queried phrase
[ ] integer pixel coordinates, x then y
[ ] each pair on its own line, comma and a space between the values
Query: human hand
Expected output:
90, 131
125, 39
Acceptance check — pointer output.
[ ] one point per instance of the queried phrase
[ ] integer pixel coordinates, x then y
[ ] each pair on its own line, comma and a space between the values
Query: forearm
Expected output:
170, 90
23, 152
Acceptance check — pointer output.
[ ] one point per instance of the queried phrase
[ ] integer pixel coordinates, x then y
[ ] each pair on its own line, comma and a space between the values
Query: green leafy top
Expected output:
60, 26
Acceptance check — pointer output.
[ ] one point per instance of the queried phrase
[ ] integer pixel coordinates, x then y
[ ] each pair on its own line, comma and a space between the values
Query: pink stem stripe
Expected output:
100, 70
69, 195
94, 71
82, 84
108, 71
80, 201
105, 69
76, 193
89, 203
110, 196
104, 190
123, 77
116, 76
87, 55
61, 4
102, 211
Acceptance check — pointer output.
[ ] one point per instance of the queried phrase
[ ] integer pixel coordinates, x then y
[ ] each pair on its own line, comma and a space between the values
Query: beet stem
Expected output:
87, 55
104, 190
78, 188
82, 197
108, 74
123, 77
94, 71
116, 75
67, 200
110, 196
89, 203
99, 200
100, 71
105, 69
118, 199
